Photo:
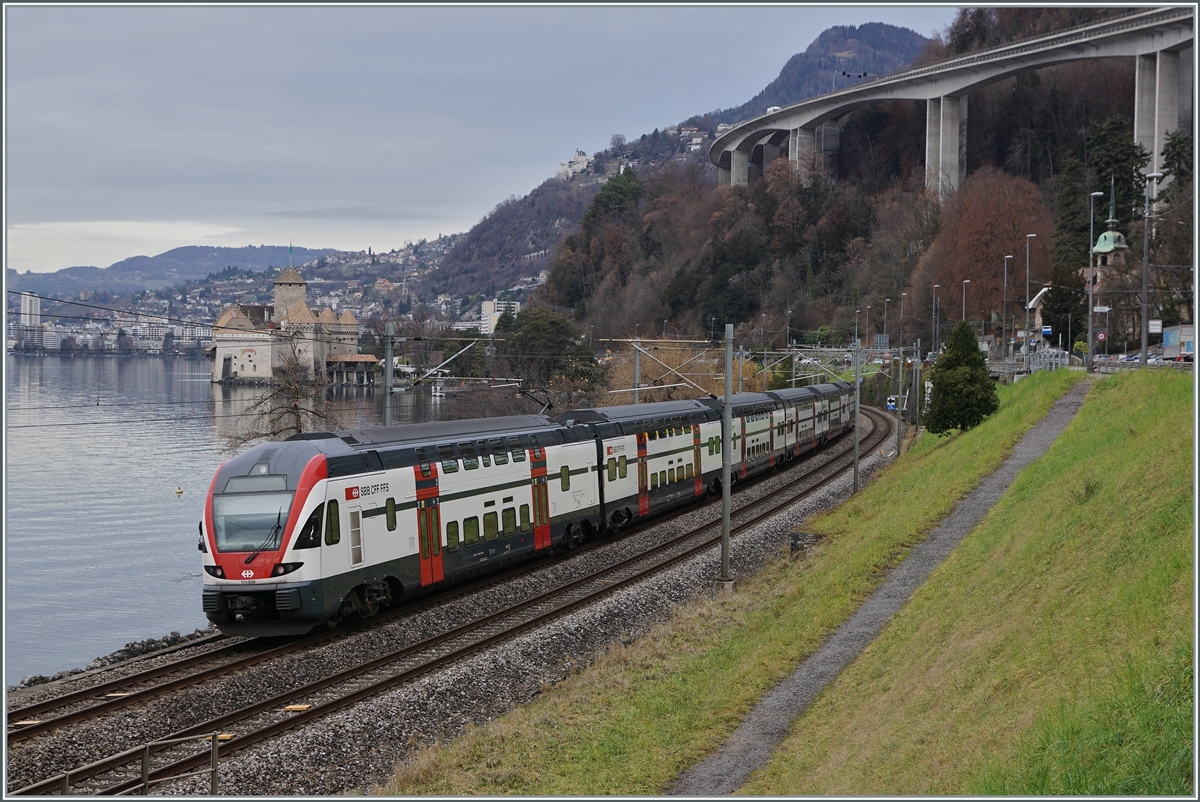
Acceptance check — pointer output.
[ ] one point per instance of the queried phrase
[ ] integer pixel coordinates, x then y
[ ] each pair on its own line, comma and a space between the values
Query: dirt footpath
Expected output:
750, 747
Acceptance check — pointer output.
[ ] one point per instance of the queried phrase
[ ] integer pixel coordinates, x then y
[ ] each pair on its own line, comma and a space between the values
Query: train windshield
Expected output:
250, 521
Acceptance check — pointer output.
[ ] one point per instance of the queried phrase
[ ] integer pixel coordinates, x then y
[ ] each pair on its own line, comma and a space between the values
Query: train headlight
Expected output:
215, 570
284, 568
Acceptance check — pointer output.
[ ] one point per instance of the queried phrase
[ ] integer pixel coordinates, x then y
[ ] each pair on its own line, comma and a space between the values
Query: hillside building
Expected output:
251, 343
491, 311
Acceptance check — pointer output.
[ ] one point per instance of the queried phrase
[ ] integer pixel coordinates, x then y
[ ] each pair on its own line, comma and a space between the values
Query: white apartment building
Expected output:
31, 309
490, 312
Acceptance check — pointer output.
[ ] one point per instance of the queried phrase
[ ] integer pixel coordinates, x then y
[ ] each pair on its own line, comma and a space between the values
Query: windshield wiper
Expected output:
270, 540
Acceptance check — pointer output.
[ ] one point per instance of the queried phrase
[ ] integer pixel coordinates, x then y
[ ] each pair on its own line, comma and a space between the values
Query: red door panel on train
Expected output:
429, 534
643, 476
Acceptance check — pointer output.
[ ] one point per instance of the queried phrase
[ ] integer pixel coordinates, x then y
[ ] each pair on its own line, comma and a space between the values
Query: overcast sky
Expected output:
133, 130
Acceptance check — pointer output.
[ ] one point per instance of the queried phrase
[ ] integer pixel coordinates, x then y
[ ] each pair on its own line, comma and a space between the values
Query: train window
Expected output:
653, 481
471, 531
622, 467
662, 433
537, 450
423, 461
470, 461
564, 478
449, 461
524, 517
484, 457
333, 526
612, 469
310, 535
451, 535
390, 507
498, 451
662, 477
690, 472
491, 529
508, 516
514, 447
423, 535
671, 475
652, 435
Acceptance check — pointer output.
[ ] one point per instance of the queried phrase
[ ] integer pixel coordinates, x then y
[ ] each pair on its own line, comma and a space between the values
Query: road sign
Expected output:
1099, 308
1156, 327
891, 403
1102, 336
1046, 331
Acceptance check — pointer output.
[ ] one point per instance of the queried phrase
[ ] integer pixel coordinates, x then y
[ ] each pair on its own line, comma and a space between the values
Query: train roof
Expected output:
440, 431
794, 393
632, 412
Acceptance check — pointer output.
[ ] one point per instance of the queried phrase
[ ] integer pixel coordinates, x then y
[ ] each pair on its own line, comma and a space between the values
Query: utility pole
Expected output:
1091, 359
726, 582
389, 330
1146, 271
934, 317
857, 408
741, 363
1026, 339
637, 367
900, 401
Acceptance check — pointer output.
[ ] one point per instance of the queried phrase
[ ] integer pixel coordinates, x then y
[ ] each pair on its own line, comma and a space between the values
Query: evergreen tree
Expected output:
1118, 161
1066, 303
963, 392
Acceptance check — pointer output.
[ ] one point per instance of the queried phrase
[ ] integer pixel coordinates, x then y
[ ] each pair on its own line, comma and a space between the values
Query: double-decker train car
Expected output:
322, 526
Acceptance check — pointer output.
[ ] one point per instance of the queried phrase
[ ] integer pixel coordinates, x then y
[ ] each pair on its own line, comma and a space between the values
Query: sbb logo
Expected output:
247, 574
351, 493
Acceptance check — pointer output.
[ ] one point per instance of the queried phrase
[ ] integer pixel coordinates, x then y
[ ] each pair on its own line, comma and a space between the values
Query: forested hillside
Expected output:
496, 251
669, 245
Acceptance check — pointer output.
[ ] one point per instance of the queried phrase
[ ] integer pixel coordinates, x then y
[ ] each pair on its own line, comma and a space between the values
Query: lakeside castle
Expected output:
252, 343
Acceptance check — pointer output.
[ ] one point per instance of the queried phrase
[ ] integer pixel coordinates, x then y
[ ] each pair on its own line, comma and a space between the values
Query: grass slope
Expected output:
645, 711
1052, 652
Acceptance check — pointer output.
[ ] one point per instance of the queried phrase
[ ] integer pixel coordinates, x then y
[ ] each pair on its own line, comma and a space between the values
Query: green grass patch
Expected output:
1052, 651
642, 713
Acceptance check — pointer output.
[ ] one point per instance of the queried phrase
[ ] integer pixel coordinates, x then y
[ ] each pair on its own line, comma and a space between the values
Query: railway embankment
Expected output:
1011, 670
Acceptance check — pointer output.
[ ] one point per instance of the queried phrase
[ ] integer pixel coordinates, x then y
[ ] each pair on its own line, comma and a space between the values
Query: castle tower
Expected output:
290, 289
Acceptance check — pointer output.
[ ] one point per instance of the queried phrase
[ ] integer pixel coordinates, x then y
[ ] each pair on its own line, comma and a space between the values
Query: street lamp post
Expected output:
966, 281
1146, 271
1004, 309
712, 331
1025, 340
1091, 364
856, 311
787, 332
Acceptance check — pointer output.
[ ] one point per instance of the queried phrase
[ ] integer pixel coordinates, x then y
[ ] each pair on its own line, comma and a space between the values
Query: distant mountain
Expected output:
188, 263
874, 48
493, 254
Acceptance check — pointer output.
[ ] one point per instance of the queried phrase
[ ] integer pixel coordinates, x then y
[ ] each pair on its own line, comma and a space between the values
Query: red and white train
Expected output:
322, 526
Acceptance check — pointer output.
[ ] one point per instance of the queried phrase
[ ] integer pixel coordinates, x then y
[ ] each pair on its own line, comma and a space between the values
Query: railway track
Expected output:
267, 718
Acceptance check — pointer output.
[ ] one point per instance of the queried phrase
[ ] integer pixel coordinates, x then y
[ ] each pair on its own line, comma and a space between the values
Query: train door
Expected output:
356, 536
541, 513
643, 476
429, 533
771, 423
541, 495
742, 447
698, 483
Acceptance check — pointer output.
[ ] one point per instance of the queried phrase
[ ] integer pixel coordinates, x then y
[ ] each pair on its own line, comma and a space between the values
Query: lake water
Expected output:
99, 549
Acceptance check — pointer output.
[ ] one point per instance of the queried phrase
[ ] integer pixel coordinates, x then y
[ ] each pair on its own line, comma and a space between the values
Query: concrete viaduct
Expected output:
1155, 37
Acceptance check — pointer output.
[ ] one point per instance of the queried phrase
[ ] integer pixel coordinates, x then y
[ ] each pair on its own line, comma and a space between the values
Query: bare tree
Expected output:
295, 403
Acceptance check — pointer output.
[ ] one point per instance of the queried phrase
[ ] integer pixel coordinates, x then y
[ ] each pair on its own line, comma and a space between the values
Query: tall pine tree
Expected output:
963, 392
